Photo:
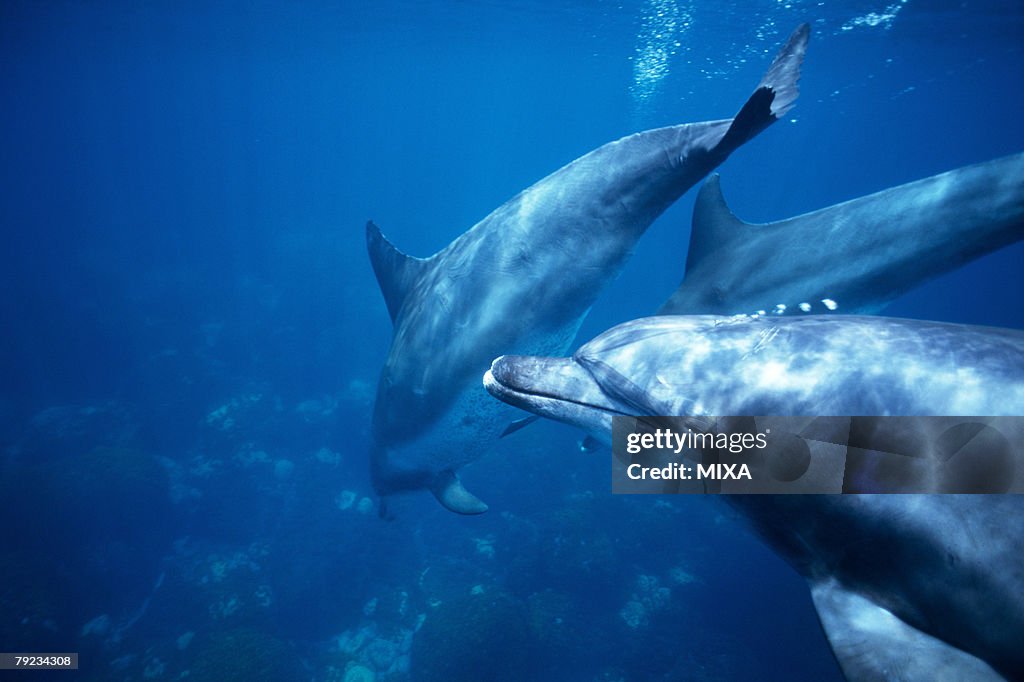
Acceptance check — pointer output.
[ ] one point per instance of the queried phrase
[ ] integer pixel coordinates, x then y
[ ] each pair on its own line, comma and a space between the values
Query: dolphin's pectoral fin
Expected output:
784, 72
454, 497
775, 94
755, 116
871, 643
396, 272
714, 225
518, 424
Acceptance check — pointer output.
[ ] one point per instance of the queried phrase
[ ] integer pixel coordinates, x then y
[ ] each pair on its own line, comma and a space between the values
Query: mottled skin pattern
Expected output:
909, 587
813, 365
861, 253
522, 280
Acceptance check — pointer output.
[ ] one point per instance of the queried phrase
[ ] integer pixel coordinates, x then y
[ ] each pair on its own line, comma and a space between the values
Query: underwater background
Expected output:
192, 331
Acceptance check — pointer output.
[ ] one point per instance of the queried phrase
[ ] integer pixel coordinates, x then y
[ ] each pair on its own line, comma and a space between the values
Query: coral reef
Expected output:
104, 518
245, 655
57, 431
474, 637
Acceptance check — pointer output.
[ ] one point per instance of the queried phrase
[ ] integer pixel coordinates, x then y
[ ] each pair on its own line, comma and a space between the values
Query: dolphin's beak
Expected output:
557, 388
521, 380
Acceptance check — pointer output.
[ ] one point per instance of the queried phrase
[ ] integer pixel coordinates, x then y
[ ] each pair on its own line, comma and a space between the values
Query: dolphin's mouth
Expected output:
511, 380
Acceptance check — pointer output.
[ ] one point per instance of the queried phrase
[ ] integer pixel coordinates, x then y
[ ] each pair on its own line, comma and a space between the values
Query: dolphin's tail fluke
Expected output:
775, 94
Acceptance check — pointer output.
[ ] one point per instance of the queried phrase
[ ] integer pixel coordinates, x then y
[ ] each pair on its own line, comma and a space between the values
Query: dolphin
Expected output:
907, 587
856, 256
522, 279
766, 365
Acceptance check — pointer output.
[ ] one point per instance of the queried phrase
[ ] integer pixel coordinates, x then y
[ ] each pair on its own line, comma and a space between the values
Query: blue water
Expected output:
192, 331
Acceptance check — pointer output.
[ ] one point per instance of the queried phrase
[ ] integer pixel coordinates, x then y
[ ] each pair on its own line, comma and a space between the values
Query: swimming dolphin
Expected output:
856, 256
907, 587
754, 365
522, 279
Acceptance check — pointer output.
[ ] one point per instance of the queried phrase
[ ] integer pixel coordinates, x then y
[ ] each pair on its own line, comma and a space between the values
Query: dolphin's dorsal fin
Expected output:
872, 643
396, 272
449, 491
714, 225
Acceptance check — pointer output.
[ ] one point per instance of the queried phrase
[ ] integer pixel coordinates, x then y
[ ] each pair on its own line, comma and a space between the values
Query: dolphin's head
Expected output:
605, 378
651, 366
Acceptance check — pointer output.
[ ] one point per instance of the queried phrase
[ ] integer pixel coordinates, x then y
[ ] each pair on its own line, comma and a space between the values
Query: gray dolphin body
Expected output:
908, 587
858, 255
522, 279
